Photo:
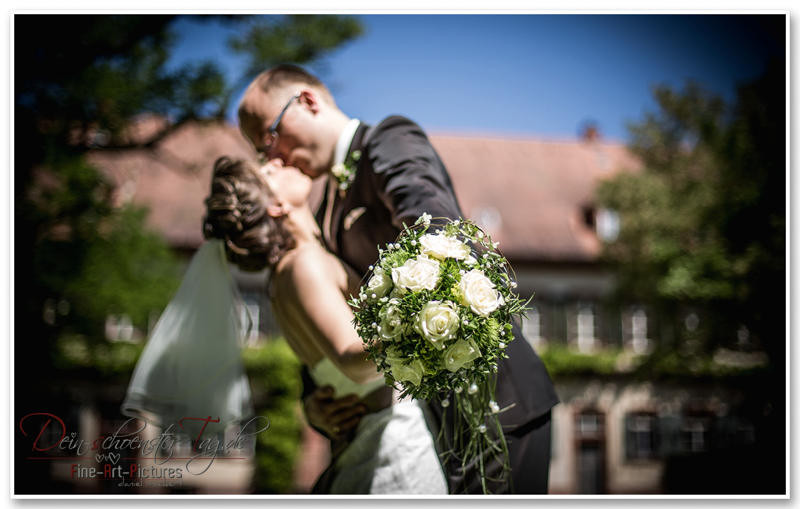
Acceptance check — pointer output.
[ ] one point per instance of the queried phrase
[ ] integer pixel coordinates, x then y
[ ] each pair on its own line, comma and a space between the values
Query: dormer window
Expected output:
604, 222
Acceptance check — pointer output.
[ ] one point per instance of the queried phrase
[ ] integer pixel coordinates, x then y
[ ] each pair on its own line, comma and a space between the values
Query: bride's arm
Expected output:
329, 318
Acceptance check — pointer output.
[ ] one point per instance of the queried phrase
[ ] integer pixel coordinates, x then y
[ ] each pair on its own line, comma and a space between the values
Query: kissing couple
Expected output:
258, 216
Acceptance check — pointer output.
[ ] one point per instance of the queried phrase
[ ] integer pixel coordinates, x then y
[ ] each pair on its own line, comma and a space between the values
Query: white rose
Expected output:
443, 246
379, 284
402, 371
417, 274
437, 322
478, 292
338, 170
391, 324
460, 354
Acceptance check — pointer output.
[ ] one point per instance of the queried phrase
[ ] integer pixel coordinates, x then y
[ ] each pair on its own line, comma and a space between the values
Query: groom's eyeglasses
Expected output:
265, 151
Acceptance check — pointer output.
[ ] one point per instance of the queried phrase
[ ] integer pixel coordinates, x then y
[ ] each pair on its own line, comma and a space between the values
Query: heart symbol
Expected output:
113, 457
99, 457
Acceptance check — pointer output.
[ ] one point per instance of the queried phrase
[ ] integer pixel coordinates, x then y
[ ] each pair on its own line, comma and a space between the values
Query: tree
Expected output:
702, 227
79, 82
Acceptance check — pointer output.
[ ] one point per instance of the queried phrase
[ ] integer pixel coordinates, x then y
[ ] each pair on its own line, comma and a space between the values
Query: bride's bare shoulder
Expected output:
306, 257
309, 265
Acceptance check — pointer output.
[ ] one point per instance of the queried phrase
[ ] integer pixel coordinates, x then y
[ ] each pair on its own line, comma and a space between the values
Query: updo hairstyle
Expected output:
236, 211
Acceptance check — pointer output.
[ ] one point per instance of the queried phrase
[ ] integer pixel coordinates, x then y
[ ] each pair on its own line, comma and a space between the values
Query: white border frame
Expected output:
410, 7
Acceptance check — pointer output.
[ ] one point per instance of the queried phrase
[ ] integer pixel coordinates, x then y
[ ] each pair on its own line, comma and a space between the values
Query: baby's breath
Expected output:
470, 389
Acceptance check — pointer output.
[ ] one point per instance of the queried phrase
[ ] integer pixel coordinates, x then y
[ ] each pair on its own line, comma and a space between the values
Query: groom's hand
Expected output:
336, 417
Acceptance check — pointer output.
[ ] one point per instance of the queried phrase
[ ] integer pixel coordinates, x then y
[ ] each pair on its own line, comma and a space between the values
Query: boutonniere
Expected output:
346, 172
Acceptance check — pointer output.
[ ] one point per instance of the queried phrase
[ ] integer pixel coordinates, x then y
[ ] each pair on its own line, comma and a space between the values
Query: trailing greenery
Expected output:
435, 317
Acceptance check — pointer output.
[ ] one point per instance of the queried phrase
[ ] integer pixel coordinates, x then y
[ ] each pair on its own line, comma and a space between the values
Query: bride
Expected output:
264, 219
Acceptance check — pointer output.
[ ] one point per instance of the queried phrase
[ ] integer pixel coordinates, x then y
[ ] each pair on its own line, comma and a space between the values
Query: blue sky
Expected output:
520, 75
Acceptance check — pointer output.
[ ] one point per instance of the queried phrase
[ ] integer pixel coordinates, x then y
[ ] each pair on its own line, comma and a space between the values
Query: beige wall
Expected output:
615, 400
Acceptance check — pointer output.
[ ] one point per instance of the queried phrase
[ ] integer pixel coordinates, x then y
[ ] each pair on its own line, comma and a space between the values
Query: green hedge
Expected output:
274, 374
562, 361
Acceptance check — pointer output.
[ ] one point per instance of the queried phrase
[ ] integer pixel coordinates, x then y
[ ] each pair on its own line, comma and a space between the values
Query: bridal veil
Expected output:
191, 366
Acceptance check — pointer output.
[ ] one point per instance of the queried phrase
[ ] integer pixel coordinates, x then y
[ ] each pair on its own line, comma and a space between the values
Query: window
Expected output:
590, 425
581, 322
743, 341
696, 432
591, 455
585, 329
607, 224
669, 434
691, 322
120, 328
641, 435
532, 327
634, 329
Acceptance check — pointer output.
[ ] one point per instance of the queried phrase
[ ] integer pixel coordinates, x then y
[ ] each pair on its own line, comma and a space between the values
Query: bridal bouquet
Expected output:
435, 317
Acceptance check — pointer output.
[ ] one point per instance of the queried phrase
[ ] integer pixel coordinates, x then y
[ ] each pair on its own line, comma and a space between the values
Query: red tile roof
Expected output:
173, 179
528, 193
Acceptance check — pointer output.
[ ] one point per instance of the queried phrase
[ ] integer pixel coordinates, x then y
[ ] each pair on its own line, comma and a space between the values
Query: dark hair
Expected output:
236, 211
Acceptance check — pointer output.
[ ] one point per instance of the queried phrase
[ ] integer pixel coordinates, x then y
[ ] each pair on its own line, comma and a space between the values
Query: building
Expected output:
612, 433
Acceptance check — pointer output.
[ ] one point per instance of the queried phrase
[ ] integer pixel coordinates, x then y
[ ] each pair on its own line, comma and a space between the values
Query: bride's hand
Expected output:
337, 417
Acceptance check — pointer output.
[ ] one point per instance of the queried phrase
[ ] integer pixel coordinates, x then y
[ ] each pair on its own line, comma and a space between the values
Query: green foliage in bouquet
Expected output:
435, 317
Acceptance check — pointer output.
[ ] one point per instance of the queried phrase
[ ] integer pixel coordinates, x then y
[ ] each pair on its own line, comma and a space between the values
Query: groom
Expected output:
379, 177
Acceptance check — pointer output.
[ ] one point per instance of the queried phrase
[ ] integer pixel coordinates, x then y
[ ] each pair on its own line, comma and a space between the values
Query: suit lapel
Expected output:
320, 214
342, 206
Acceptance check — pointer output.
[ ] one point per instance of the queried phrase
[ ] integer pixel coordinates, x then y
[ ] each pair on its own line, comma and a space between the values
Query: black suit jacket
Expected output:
399, 176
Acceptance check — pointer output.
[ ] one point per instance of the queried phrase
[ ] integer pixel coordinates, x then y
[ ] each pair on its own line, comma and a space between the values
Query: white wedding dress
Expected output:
392, 451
